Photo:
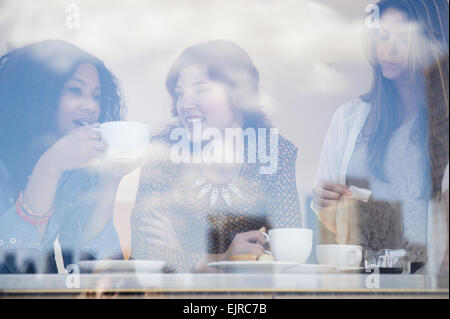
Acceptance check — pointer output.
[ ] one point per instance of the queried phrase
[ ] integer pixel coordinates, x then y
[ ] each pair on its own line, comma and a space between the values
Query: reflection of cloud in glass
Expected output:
53, 56
300, 31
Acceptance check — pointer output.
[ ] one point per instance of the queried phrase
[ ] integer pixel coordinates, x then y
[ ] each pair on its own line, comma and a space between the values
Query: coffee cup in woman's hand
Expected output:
127, 141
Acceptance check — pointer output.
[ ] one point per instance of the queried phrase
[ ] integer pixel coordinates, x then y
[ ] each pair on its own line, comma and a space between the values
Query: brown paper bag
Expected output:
347, 222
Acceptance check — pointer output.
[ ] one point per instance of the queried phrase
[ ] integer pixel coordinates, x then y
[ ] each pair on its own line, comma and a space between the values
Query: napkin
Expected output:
361, 194
58, 256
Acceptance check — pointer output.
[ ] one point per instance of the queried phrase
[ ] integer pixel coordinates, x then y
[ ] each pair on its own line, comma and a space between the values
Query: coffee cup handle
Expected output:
357, 254
266, 236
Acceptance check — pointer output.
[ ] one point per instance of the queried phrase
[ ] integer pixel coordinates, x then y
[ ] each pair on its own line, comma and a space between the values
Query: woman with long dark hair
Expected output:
52, 97
380, 141
191, 212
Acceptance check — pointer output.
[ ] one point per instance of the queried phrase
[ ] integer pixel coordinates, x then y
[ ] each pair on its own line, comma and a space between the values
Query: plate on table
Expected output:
255, 267
313, 269
348, 269
122, 266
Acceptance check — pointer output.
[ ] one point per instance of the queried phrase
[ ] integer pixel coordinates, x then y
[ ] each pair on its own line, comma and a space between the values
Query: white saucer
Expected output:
255, 267
349, 269
123, 266
313, 269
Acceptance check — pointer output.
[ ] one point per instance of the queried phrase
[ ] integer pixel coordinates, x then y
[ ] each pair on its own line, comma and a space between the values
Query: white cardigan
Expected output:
340, 141
337, 149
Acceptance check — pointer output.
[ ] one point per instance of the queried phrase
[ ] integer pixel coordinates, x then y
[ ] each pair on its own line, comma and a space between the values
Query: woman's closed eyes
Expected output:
198, 89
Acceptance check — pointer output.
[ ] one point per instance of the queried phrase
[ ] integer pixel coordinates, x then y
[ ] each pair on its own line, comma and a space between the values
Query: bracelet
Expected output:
29, 219
28, 210
26, 214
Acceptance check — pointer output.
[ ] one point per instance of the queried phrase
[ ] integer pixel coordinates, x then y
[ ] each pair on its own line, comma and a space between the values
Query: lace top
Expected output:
396, 215
206, 217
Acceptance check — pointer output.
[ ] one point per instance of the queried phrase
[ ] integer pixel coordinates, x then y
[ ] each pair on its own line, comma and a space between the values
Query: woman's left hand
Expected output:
160, 231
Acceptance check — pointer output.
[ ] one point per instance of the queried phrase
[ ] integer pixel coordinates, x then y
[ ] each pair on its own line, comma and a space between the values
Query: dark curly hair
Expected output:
31, 81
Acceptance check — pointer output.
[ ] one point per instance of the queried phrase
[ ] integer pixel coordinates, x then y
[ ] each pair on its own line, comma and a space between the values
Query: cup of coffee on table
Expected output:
339, 255
127, 141
290, 244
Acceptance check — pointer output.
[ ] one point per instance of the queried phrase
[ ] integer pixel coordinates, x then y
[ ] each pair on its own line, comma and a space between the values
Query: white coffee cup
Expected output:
290, 244
127, 141
339, 255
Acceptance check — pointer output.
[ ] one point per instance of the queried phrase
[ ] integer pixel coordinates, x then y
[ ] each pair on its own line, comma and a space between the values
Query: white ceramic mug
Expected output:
290, 244
339, 255
127, 141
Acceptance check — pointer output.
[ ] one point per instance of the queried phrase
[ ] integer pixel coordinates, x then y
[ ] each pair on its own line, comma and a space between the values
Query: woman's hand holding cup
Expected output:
80, 148
247, 243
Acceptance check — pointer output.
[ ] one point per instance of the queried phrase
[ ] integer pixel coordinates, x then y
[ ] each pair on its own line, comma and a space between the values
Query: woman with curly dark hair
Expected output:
52, 96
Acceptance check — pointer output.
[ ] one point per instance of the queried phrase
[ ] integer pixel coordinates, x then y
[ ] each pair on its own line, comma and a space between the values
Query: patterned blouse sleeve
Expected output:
154, 195
284, 203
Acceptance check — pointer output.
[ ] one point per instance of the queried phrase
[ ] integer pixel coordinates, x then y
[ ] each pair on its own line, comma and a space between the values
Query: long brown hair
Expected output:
386, 109
438, 128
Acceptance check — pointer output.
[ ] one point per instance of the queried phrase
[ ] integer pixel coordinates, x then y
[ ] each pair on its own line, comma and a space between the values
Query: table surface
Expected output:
227, 285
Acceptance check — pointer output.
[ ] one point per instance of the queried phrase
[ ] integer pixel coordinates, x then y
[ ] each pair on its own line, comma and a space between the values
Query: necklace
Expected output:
225, 190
